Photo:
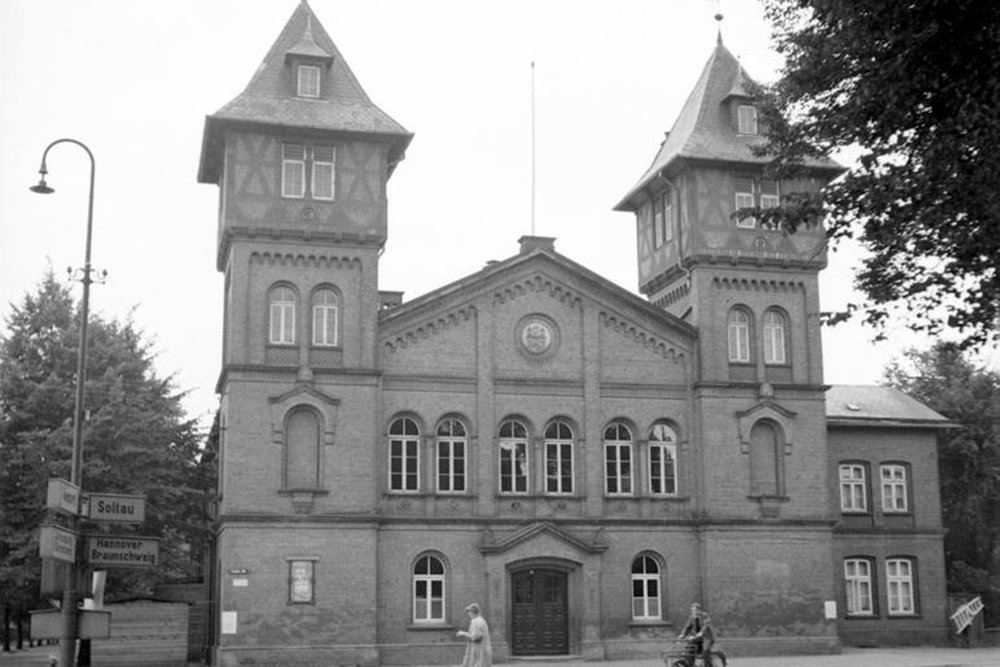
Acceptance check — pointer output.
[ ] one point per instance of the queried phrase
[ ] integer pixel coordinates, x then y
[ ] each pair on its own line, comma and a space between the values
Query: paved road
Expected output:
882, 657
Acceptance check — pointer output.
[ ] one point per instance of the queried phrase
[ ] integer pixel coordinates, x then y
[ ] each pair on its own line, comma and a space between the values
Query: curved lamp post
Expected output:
67, 643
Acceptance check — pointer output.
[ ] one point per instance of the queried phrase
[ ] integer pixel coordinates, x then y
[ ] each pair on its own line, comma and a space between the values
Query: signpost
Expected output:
58, 543
116, 508
123, 551
63, 497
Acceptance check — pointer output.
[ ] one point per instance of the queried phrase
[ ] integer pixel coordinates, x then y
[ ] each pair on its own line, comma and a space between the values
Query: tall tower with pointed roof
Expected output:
752, 292
302, 158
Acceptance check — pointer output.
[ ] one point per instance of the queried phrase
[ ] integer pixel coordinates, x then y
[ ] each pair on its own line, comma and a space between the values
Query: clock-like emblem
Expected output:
537, 336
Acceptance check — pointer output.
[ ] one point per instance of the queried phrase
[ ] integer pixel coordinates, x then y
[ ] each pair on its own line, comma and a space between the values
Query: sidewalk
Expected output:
851, 657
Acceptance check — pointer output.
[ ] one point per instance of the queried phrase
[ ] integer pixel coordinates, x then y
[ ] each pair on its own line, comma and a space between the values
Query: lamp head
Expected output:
42, 188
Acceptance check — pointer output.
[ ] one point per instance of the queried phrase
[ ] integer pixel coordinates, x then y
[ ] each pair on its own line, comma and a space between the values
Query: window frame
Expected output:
290, 162
644, 579
331, 163
775, 337
404, 439
313, 87
429, 579
451, 438
851, 587
746, 122
561, 442
292, 597
286, 309
898, 582
747, 335
614, 465
325, 308
847, 502
516, 444
902, 487
667, 450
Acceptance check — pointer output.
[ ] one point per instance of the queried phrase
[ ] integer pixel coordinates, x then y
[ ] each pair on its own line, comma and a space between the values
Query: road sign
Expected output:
63, 497
58, 543
116, 507
48, 624
123, 551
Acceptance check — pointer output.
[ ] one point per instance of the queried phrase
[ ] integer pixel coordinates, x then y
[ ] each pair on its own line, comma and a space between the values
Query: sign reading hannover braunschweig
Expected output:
116, 507
123, 551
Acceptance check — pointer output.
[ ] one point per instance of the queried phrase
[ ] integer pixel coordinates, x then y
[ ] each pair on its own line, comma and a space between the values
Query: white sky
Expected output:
134, 81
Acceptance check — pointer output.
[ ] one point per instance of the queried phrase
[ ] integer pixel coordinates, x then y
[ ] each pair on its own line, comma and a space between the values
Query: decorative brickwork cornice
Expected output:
538, 284
433, 327
305, 260
648, 340
758, 285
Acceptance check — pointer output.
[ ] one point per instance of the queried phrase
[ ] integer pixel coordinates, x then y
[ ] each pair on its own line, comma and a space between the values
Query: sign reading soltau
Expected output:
123, 551
116, 507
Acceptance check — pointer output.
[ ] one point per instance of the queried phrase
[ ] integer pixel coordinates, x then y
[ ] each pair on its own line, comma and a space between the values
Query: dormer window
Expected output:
308, 81
746, 119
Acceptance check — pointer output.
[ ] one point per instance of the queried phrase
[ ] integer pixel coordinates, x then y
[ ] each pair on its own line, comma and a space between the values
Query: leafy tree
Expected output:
968, 459
136, 440
914, 88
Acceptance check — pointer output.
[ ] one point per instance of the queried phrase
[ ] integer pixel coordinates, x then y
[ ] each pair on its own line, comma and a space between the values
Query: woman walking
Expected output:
478, 652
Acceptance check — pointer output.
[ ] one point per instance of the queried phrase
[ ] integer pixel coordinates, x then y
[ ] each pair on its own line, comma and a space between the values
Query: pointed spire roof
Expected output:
269, 100
704, 128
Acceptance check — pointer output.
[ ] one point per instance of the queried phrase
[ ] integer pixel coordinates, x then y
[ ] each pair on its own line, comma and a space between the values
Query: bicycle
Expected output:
683, 653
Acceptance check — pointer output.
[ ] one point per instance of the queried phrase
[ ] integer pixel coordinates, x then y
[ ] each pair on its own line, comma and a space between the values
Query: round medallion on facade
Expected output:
537, 336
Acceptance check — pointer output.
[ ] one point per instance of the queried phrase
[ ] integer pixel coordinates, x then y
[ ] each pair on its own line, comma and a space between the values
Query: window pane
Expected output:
308, 81
323, 180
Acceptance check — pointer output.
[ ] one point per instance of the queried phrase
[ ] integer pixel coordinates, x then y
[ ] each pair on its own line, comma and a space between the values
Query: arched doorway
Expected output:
539, 618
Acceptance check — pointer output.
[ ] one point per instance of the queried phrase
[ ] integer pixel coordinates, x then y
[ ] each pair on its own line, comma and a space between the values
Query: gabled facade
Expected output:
581, 462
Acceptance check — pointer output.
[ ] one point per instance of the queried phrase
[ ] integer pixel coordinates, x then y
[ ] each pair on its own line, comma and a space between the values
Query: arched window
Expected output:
618, 459
404, 455
302, 438
282, 306
739, 336
558, 458
451, 456
645, 589
428, 590
326, 309
662, 460
513, 446
774, 328
764, 462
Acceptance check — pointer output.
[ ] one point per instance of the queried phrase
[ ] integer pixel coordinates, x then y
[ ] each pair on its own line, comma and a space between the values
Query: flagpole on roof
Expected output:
532, 147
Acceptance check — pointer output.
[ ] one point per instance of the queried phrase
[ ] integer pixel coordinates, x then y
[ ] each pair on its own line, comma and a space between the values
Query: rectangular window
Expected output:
282, 323
657, 223
858, 587
308, 81
747, 119
663, 469
293, 171
769, 198
404, 464
322, 172
894, 495
513, 466
899, 585
618, 469
668, 218
325, 325
558, 467
301, 582
451, 465
853, 488
745, 199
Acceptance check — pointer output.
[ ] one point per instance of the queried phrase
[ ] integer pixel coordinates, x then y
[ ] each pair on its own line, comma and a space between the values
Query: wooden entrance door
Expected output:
538, 613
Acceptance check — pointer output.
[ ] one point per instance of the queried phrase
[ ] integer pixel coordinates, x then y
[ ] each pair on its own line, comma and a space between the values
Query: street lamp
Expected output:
67, 643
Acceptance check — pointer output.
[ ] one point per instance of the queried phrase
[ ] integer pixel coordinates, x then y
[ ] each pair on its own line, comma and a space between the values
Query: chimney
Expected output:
531, 243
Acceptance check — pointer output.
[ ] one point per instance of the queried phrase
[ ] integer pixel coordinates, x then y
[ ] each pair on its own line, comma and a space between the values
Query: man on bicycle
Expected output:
699, 632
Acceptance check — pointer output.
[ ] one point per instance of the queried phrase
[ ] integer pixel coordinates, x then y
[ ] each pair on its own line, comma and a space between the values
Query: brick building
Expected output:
582, 462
